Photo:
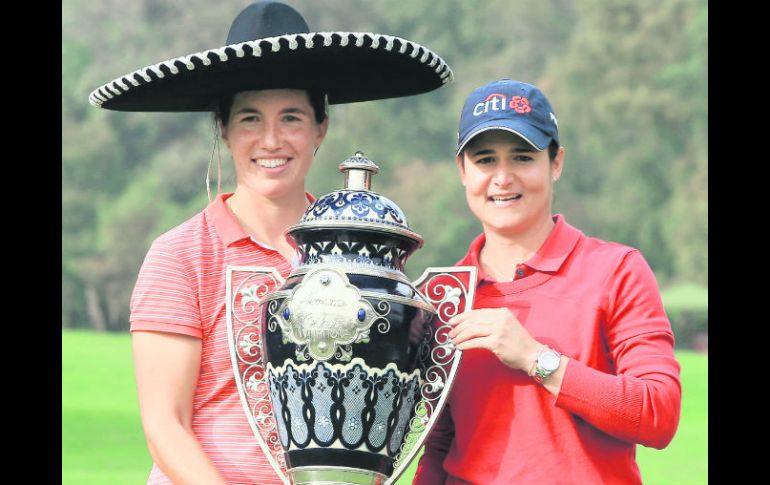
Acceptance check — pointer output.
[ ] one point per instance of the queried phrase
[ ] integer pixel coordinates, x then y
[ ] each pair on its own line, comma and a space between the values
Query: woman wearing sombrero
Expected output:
269, 87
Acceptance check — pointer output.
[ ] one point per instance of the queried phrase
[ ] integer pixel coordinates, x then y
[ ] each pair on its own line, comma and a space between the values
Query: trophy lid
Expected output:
356, 205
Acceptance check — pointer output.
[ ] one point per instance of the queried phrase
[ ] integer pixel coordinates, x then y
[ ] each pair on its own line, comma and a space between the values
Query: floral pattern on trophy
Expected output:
245, 289
348, 205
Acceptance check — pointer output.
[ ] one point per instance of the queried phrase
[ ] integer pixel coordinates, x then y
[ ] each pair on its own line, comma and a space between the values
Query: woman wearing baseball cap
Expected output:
568, 358
269, 86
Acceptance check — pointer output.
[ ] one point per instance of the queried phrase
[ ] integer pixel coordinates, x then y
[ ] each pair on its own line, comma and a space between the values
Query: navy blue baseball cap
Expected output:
509, 105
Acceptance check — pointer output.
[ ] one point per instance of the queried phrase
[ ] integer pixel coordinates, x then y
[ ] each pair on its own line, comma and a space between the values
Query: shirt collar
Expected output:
472, 258
556, 248
225, 223
549, 258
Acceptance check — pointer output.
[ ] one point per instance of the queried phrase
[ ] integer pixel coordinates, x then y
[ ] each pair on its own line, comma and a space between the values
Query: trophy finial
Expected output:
358, 172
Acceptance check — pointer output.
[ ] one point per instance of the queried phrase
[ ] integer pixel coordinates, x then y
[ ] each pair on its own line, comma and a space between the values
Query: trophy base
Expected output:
330, 475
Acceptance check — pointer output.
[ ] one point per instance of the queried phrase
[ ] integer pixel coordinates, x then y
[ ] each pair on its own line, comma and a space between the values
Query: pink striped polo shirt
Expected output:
181, 289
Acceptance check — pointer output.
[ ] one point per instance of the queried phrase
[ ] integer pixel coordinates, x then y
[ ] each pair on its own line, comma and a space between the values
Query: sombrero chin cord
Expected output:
215, 147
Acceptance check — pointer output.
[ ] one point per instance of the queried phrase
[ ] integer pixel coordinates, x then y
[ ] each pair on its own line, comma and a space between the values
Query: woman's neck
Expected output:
266, 220
503, 252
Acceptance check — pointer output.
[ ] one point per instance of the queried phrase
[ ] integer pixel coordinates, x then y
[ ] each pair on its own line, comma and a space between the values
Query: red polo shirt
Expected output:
598, 303
181, 289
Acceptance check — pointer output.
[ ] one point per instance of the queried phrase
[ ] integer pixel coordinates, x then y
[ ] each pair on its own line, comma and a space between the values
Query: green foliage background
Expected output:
628, 81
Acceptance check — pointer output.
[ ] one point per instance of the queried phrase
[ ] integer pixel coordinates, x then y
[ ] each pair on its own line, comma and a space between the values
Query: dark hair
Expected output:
553, 150
317, 101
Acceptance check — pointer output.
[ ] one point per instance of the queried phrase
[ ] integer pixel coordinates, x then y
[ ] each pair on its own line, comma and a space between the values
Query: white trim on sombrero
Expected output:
122, 84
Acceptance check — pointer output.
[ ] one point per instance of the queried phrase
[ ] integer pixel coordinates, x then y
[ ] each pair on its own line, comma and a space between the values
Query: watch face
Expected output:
549, 361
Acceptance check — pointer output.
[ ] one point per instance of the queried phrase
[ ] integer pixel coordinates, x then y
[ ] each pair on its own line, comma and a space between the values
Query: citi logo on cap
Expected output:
500, 102
509, 105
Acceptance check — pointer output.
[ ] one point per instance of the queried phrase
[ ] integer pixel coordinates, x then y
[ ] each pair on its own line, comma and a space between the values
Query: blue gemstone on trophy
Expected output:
361, 315
286, 313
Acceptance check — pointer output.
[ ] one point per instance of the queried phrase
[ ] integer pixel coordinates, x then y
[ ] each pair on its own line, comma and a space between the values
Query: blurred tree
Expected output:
104, 154
686, 224
630, 96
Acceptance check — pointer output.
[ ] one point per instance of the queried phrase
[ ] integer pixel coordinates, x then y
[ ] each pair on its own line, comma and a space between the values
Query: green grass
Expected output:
102, 438
103, 443
685, 460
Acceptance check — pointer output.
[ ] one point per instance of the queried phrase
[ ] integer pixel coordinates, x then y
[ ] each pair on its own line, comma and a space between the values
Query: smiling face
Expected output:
272, 135
508, 184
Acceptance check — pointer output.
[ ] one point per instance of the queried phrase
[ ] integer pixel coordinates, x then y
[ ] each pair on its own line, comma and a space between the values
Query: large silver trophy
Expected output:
343, 368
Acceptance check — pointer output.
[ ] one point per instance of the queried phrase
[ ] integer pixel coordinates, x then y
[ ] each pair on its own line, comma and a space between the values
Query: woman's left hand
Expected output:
499, 331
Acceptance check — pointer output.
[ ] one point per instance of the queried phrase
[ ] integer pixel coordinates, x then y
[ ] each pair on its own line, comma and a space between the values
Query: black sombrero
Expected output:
269, 46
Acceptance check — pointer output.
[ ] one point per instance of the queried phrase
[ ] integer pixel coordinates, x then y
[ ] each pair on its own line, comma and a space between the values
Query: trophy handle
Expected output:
451, 291
246, 287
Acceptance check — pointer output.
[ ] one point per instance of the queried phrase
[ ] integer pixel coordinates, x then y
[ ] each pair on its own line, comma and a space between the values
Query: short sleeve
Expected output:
164, 298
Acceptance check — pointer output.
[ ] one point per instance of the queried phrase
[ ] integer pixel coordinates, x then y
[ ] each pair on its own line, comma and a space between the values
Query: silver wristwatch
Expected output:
547, 362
